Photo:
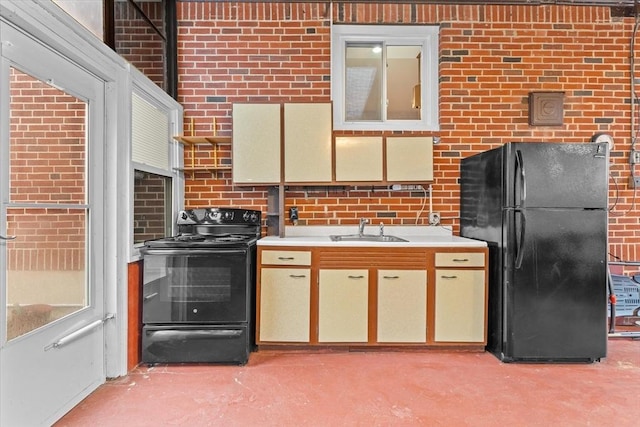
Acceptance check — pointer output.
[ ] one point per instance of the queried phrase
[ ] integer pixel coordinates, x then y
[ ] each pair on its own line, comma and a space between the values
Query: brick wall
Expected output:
491, 57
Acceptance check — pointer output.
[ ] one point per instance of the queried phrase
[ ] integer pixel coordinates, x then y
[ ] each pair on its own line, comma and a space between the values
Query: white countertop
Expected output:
416, 236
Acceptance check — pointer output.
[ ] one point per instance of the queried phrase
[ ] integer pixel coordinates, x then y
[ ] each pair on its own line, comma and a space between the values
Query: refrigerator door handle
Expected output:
520, 235
521, 181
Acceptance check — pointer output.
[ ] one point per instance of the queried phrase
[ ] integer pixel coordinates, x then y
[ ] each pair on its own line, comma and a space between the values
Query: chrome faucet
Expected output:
381, 229
363, 222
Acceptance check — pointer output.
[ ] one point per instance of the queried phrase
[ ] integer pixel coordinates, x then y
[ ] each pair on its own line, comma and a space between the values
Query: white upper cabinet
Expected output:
409, 158
292, 143
307, 142
358, 158
256, 143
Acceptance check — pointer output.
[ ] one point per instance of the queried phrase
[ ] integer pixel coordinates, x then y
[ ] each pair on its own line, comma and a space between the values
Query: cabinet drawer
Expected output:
286, 257
460, 259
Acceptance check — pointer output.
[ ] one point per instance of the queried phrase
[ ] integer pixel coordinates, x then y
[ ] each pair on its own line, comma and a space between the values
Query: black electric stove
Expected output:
199, 289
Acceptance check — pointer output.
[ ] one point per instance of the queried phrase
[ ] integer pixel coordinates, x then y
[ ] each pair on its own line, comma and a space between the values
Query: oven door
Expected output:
196, 285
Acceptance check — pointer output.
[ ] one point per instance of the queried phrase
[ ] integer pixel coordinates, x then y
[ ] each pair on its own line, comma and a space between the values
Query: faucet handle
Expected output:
381, 229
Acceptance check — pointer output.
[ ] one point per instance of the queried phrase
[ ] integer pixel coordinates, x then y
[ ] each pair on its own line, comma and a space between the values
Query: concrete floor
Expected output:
422, 388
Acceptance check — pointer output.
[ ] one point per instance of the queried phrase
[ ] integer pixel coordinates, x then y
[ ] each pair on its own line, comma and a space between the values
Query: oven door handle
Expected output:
201, 334
192, 251
150, 296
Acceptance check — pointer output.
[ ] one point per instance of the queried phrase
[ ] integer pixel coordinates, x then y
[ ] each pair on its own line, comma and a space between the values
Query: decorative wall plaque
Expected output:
546, 108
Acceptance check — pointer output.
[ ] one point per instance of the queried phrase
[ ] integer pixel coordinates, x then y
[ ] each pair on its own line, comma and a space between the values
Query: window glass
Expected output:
87, 12
151, 206
48, 214
364, 76
403, 76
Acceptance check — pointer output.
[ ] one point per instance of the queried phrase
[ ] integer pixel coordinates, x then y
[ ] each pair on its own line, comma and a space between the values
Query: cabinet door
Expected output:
256, 143
409, 159
359, 158
402, 306
307, 142
343, 306
460, 306
285, 301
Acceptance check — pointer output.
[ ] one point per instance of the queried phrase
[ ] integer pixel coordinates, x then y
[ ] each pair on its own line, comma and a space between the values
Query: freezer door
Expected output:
481, 196
556, 175
555, 304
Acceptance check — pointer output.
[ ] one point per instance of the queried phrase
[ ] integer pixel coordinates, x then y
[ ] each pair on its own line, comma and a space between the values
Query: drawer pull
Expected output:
297, 276
448, 277
390, 277
461, 260
355, 277
286, 258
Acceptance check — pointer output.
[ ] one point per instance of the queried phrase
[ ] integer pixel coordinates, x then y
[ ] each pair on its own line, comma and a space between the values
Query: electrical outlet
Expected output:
634, 158
634, 182
293, 214
434, 218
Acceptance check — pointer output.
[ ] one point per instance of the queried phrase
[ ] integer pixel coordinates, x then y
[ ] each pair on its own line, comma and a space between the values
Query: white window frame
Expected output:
425, 36
155, 96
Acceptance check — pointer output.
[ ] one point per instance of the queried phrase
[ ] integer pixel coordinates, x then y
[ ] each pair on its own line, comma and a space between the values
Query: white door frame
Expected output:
47, 23
53, 27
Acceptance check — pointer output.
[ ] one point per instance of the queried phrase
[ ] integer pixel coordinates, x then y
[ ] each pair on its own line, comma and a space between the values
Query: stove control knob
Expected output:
184, 215
195, 310
254, 217
246, 216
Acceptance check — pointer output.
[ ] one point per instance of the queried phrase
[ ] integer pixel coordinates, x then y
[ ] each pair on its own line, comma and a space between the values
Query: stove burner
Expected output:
231, 238
190, 238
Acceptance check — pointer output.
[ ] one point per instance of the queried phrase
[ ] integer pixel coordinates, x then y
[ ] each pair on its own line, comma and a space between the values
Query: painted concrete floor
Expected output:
426, 388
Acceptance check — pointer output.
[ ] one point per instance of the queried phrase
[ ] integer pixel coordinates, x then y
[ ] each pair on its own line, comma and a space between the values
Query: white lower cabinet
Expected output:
343, 303
460, 306
402, 306
413, 297
285, 301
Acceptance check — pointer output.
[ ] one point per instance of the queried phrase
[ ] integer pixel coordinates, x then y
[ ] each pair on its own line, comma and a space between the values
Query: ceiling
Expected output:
618, 7
612, 3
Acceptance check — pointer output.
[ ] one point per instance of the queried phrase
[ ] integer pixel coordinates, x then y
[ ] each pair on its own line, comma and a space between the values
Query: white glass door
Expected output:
51, 233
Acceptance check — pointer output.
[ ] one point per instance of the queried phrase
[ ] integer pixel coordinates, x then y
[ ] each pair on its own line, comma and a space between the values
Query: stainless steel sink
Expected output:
365, 238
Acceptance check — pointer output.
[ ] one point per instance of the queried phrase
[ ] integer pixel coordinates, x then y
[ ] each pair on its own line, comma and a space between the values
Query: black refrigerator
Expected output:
542, 209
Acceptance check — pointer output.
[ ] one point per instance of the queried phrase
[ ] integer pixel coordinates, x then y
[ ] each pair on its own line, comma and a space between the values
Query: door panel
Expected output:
52, 345
556, 175
557, 295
